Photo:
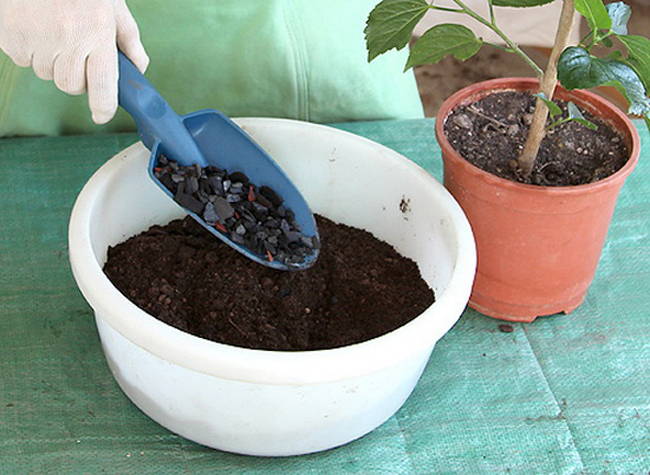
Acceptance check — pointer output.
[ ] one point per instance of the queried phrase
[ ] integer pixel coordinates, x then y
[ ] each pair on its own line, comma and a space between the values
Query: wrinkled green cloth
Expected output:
565, 394
297, 59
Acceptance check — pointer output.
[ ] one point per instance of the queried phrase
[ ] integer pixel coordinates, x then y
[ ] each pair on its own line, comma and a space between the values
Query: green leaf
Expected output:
617, 55
607, 42
577, 69
595, 13
520, 3
619, 13
390, 25
553, 108
443, 40
638, 49
576, 115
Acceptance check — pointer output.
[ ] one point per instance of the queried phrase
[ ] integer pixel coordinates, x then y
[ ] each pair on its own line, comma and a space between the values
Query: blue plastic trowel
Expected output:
208, 138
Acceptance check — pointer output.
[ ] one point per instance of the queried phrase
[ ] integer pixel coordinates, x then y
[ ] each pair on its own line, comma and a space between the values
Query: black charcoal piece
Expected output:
211, 170
236, 238
292, 260
216, 183
189, 202
263, 201
260, 217
260, 208
209, 215
204, 186
239, 177
237, 188
192, 185
249, 225
231, 198
272, 223
202, 196
249, 217
271, 195
223, 209
166, 180
292, 236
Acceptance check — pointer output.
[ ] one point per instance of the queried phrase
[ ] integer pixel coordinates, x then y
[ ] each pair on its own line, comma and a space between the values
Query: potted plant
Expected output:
538, 244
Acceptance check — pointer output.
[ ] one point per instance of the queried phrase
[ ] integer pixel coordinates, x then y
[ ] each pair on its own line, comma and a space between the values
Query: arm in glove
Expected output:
74, 43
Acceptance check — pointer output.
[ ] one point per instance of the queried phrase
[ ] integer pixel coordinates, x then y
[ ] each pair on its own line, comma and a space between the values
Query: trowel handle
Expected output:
155, 118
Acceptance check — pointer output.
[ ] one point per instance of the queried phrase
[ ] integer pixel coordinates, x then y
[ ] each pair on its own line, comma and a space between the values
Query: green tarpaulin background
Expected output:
565, 394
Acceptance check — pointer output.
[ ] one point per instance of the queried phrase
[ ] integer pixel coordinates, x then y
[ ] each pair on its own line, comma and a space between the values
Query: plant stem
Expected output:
494, 45
493, 26
548, 82
445, 9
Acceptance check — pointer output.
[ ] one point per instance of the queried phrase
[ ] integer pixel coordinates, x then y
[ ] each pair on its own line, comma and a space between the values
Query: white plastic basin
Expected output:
275, 403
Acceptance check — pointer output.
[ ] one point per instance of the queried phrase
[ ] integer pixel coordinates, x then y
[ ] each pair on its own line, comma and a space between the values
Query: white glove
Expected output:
73, 42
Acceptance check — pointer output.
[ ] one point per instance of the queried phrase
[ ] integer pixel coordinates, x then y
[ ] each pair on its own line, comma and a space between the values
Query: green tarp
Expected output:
565, 394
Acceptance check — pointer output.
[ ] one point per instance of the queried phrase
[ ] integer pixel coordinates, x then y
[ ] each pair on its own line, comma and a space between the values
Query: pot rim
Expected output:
585, 98
266, 366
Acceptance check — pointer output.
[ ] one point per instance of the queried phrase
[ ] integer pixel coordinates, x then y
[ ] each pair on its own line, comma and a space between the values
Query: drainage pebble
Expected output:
253, 217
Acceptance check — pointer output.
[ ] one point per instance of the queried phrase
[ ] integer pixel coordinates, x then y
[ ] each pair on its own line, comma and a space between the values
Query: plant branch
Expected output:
493, 26
502, 48
445, 9
547, 86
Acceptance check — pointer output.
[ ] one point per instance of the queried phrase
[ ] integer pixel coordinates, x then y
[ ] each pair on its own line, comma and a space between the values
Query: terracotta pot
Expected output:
538, 247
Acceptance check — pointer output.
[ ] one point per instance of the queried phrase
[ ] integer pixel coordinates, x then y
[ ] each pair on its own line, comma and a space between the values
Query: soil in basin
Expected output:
360, 288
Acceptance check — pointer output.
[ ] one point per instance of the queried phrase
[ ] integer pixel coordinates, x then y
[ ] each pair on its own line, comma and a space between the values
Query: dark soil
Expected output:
491, 133
506, 328
359, 288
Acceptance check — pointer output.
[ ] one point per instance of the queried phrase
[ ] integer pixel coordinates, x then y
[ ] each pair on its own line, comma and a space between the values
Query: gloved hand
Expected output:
73, 42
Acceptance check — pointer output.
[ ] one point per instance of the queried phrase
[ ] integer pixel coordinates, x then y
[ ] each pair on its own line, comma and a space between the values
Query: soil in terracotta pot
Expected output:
490, 133
359, 288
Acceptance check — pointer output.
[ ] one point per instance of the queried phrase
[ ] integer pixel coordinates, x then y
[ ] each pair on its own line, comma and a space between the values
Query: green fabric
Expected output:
282, 58
565, 394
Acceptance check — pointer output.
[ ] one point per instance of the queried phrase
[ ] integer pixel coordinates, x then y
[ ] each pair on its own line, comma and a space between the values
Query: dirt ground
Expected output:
438, 81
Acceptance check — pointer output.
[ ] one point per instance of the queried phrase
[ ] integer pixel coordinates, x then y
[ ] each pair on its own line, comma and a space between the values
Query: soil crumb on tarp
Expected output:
359, 288
491, 133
